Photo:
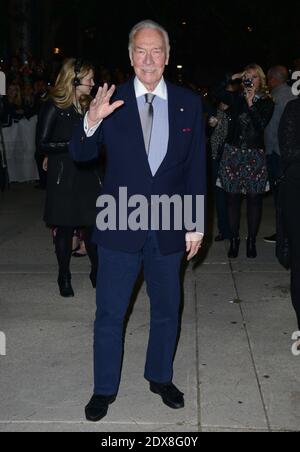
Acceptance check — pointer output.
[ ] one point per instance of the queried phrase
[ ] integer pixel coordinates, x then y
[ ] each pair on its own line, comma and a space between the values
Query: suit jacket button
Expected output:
82, 139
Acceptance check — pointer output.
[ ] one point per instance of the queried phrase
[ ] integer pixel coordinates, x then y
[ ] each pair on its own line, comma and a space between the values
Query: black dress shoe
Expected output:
171, 396
234, 248
65, 287
251, 248
271, 239
98, 407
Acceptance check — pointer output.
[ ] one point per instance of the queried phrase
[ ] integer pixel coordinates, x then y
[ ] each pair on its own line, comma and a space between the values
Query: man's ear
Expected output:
168, 59
131, 59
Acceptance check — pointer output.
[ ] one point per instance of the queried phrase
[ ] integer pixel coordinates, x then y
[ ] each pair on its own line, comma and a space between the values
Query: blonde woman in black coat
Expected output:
72, 189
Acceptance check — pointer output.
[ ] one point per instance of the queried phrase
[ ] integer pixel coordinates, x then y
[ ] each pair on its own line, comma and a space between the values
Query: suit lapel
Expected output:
172, 128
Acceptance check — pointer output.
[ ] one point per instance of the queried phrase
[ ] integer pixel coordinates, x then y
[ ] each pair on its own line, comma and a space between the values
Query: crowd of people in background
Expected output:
29, 80
28, 83
255, 147
244, 146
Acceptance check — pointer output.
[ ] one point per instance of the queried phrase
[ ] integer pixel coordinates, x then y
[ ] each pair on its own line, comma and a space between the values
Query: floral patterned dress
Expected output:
243, 165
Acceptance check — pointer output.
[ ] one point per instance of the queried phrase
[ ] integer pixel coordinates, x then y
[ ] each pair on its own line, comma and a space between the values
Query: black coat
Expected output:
289, 141
247, 124
72, 189
289, 134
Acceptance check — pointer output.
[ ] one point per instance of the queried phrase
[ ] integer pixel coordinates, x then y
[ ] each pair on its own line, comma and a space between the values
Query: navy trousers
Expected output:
117, 275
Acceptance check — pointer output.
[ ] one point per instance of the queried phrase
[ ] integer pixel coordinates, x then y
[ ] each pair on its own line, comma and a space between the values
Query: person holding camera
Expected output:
243, 168
72, 189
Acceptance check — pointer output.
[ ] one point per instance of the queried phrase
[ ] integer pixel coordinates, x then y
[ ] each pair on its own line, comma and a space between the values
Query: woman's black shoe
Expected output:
65, 287
234, 248
251, 248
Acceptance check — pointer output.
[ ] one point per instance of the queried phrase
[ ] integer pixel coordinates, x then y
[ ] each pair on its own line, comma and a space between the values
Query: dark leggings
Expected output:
254, 213
64, 243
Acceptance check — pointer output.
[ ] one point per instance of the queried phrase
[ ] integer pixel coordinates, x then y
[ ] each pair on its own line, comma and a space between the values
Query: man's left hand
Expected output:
194, 241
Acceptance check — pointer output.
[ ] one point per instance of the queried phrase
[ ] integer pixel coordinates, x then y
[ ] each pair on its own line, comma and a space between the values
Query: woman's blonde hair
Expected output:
262, 76
63, 92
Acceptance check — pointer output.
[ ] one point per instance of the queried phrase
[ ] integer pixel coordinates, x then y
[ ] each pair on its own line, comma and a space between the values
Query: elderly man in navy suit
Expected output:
153, 133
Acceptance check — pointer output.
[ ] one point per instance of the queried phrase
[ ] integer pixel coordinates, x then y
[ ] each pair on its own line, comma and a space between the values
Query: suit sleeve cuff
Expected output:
194, 236
90, 132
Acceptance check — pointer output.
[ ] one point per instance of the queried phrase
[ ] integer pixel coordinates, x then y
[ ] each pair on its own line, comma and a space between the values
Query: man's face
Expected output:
149, 57
270, 81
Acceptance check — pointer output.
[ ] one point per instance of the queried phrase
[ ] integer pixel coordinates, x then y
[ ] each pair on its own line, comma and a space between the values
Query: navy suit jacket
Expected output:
183, 171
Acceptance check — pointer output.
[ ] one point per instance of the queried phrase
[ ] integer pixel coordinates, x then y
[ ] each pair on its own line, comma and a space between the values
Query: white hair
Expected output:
152, 25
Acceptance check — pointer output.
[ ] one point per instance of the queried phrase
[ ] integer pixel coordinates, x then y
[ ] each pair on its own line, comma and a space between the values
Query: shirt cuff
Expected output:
194, 236
90, 132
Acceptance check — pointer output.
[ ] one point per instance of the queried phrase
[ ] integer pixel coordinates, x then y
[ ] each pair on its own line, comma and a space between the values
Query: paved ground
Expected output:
234, 361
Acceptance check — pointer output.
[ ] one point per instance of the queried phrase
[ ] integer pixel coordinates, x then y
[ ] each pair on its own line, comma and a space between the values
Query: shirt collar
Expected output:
160, 91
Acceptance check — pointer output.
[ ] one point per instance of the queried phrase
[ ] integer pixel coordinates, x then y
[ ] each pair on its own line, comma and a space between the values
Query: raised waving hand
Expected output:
101, 107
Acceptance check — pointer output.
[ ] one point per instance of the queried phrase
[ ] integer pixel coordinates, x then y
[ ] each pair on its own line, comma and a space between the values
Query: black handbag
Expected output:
282, 243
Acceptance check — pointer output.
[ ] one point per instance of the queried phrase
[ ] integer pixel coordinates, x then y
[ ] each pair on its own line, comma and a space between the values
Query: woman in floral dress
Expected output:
243, 168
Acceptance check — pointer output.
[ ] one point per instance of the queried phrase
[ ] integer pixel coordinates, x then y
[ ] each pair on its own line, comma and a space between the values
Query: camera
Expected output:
248, 83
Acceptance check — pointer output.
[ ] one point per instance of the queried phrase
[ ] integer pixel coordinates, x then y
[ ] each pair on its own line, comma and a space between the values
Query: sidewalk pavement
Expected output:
234, 359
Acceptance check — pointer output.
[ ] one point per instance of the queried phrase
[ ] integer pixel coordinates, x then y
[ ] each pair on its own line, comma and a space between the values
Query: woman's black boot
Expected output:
64, 284
251, 248
234, 248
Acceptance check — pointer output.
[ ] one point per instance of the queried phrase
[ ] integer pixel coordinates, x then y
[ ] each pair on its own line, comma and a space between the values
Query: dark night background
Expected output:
207, 38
